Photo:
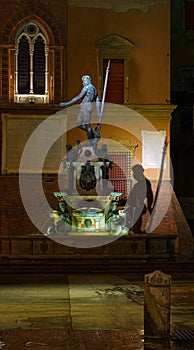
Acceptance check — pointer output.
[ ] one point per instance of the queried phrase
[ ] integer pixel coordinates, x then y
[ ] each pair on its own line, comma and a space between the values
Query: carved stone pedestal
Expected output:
157, 305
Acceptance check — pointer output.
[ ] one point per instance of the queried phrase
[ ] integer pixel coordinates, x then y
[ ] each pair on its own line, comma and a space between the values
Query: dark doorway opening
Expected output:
115, 85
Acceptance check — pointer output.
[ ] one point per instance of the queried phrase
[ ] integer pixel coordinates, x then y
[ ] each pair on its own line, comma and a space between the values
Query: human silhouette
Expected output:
140, 199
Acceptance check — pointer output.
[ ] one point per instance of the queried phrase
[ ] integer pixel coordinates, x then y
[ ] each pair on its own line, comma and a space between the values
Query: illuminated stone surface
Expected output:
91, 312
157, 305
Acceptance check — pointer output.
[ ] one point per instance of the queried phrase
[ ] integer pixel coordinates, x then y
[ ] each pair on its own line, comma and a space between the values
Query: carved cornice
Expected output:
117, 6
154, 111
114, 41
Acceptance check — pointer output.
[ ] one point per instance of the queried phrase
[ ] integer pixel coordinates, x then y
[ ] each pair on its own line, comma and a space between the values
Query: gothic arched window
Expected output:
31, 65
23, 66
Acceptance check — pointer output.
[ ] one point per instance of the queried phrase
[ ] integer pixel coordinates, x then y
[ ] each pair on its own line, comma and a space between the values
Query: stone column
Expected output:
157, 287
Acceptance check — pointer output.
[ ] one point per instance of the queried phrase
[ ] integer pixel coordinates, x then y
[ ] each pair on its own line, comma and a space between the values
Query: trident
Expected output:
100, 113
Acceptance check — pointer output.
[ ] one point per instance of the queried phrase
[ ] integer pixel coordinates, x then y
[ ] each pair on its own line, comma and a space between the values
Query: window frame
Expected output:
31, 97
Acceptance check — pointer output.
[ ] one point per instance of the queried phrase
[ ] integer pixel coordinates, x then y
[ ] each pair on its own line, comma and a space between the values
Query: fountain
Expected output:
88, 203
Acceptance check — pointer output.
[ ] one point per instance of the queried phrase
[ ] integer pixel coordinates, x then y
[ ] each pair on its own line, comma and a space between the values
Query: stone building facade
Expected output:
68, 39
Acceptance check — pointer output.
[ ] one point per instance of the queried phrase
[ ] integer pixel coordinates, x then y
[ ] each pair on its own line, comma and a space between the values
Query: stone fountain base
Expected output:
88, 215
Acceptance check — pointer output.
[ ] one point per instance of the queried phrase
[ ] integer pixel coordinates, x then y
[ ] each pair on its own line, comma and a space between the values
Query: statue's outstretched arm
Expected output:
74, 99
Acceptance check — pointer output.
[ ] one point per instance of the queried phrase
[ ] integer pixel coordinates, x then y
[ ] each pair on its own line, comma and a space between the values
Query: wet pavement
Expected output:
88, 312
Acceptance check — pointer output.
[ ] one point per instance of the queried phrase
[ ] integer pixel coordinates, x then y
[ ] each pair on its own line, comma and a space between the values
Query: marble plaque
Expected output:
152, 148
43, 133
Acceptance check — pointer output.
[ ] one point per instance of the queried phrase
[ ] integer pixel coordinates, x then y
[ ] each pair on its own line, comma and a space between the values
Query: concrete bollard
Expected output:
157, 288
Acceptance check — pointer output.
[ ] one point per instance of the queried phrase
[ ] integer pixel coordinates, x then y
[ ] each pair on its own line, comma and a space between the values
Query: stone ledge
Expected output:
139, 247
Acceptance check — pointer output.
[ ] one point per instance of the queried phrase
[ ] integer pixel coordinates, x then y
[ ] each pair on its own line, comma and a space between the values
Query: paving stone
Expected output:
90, 312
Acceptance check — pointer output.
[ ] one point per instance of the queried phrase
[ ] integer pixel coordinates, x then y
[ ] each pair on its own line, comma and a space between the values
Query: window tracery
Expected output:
31, 65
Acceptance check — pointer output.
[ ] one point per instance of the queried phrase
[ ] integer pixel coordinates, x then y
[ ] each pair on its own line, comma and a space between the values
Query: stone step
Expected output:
123, 267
